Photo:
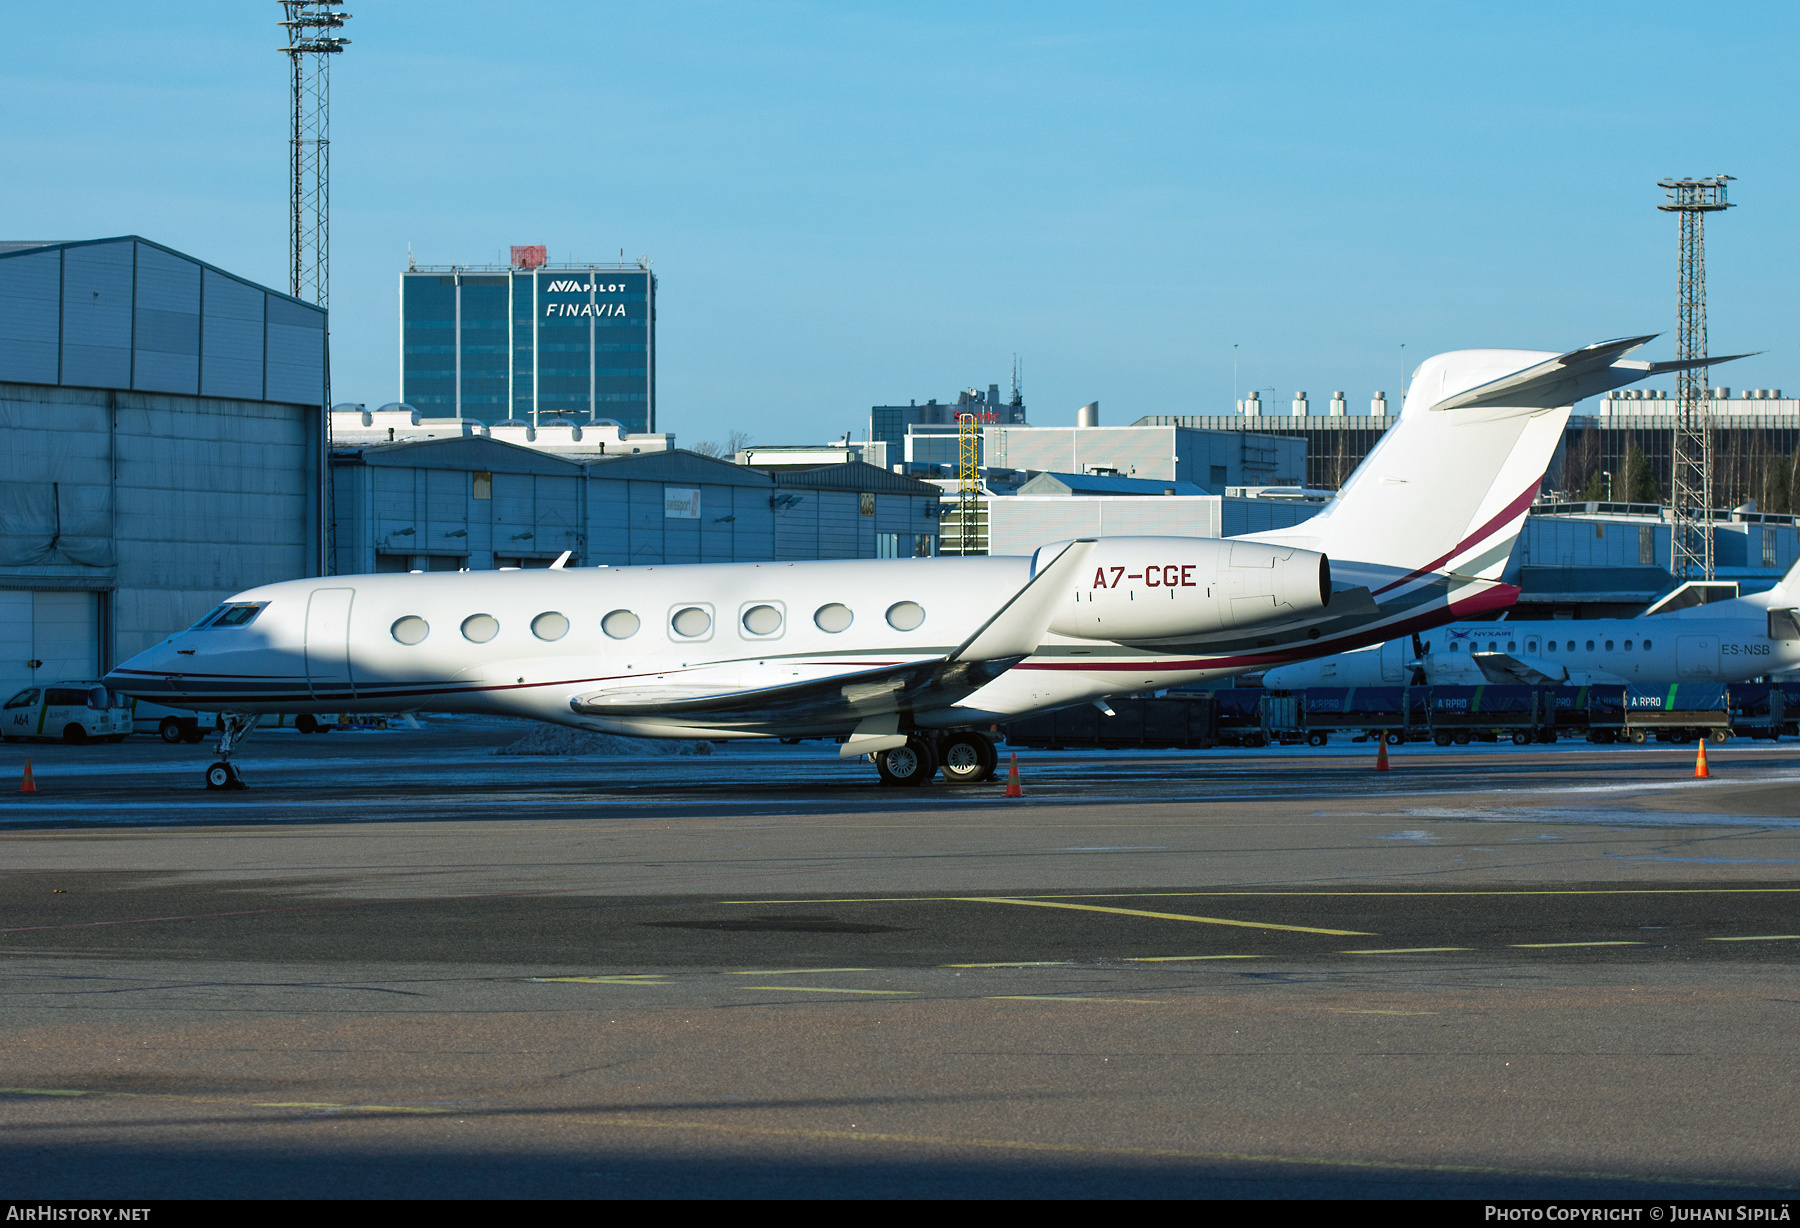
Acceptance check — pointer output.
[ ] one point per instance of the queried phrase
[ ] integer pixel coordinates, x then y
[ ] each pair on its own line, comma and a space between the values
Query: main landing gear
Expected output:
964, 759
232, 728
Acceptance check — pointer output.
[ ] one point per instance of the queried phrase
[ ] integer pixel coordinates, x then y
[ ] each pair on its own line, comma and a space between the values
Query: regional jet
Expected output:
1733, 640
912, 661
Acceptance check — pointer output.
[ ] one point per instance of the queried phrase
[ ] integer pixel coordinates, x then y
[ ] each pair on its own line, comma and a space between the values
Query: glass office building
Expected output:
498, 342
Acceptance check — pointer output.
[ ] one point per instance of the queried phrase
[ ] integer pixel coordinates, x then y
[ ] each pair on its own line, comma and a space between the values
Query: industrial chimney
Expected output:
1088, 415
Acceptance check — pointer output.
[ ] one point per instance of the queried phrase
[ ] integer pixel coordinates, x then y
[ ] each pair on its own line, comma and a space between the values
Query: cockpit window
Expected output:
209, 616
240, 615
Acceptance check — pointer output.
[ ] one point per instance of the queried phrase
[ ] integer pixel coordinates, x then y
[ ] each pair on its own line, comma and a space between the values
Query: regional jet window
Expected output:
905, 615
1609, 645
1646, 645
620, 624
550, 626
24, 699
1627, 645
1531, 646
1492, 646
1590, 645
833, 618
480, 628
1511, 646
410, 630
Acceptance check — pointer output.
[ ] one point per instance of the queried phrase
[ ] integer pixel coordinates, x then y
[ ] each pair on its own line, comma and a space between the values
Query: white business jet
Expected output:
1725, 641
910, 659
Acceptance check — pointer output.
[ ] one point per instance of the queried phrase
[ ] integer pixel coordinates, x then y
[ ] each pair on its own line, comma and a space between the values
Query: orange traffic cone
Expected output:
1012, 778
1381, 763
29, 785
1700, 768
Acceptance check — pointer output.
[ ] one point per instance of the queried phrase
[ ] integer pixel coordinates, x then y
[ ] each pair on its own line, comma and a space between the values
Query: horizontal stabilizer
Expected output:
1572, 377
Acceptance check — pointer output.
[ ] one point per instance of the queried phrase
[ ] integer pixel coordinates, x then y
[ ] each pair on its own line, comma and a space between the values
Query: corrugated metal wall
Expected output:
128, 314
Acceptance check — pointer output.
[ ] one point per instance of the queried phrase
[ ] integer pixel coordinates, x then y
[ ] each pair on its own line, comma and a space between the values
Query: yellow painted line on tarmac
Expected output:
1052, 997
1017, 963
1299, 895
1577, 944
1164, 916
1344, 1010
647, 978
1172, 959
254, 1104
825, 989
1758, 938
796, 971
1405, 950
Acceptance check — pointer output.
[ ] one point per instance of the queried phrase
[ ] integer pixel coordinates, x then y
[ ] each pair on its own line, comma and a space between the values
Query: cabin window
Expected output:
1531, 646
1510, 646
480, 628
905, 615
1492, 646
1590, 645
762, 620
620, 624
1627, 645
550, 625
410, 630
1646, 645
1455, 647
1609, 645
691, 622
833, 618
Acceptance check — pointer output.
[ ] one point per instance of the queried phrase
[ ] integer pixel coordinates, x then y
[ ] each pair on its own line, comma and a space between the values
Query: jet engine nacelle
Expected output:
1161, 588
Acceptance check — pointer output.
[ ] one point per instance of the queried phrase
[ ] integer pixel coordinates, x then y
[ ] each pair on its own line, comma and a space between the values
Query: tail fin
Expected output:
1787, 589
1449, 485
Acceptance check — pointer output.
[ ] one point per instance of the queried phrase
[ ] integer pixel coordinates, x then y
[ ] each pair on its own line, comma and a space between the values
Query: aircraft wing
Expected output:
854, 695
1570, 377
1504, 667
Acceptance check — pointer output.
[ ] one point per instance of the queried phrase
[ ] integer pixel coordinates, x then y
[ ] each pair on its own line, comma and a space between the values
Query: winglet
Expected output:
1018, 627
561, 559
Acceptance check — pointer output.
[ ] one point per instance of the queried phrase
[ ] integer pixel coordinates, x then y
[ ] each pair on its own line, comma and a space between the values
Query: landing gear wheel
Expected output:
911, 765
306, 722
1315, 739
222, 775
968, 758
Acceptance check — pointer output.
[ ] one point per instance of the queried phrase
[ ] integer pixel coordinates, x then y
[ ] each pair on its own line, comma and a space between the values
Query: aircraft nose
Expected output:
145, 674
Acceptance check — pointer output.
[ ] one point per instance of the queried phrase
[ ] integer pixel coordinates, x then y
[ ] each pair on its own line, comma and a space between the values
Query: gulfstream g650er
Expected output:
908, 659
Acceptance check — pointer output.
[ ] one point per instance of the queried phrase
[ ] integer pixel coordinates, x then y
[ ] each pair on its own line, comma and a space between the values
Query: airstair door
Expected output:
1696, 657
328, 643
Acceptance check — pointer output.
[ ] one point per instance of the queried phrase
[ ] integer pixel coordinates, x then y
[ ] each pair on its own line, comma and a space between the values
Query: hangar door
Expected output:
60, 629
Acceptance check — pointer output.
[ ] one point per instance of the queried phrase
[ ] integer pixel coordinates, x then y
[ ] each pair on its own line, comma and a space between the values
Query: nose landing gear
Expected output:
233, 726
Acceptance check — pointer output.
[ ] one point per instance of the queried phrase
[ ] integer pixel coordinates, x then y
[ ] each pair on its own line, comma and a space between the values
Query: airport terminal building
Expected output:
530, 342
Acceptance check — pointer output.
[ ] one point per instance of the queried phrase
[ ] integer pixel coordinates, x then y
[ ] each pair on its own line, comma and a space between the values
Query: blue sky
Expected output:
857, 204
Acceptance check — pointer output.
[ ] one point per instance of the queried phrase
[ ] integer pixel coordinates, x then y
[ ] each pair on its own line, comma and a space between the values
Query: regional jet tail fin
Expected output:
1448, 486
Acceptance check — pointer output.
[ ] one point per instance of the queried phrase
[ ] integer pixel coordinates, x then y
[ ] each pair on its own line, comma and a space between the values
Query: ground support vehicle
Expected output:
1463, 714
1765, 709
69, 711
1678, 713
1175, 721
1386, 712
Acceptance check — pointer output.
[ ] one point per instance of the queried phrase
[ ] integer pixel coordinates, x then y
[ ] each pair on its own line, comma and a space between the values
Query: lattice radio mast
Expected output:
968, 481
311, 42
1691, 487
310, 46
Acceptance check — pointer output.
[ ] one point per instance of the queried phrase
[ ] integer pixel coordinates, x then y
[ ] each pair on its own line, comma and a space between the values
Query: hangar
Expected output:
163, 433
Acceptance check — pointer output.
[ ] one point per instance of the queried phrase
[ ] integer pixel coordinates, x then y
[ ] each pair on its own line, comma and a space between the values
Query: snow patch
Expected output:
561, 740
